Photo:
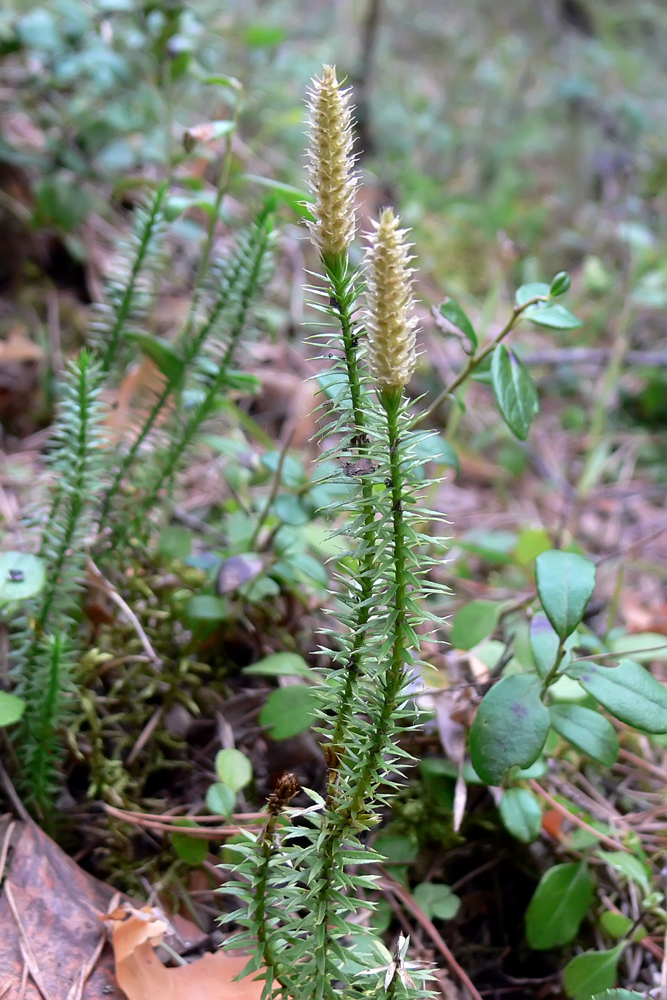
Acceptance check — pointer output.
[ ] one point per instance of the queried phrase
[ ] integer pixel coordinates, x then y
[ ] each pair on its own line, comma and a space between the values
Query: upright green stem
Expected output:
395, 674
343, 302
220, 192
260, 908
553, 673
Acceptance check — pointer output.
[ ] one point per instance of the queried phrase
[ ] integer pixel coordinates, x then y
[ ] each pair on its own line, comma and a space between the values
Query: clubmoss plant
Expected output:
93, 507
302, 900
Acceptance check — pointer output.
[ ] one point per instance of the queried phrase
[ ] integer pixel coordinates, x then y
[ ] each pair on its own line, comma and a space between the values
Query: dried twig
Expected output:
391, 885
102, 582
575, 819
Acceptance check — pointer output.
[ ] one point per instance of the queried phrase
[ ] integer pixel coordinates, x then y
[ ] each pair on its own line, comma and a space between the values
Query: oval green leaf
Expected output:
280, 665
11, 708
585, 974
193, 850
206, 608
531, 291
565, 583
558, 906
436, 900
544, 643
161, 354
474, 622
233, 768
510, 727
521, 814
22, 576
588, 731
515, 391
560, 284
220, 799
289, 711
628, 691
630, 866
456, 315
553, 315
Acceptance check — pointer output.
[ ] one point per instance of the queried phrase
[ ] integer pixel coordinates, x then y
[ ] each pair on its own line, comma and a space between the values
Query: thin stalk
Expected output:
553, 673
220, 192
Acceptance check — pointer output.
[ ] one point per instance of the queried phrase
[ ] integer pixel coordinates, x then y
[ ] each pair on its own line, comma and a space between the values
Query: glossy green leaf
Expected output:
515, 391
454, 312
193, 850
290, 510
207, 608
530, 291
396, 848
436, 900
619, 995
628, 691
161, 354
510, 727
288, 711
643, 647
560, 284
175, 542
553, 315
558, 906
473, 622
630, 866
22, 575
616, 925
280, 665
296, 198
220, 799
586, 974
521, 814
532, 542
544, 643
565, 583
233, 768
588, 731
11, 708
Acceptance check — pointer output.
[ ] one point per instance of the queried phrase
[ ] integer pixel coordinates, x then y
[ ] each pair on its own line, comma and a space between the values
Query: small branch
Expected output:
477, 359
564, 811
102, 582
391, 885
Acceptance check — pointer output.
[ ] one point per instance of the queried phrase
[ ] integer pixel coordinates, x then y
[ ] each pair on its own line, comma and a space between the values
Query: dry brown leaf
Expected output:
142, 976
53, 905
18, 349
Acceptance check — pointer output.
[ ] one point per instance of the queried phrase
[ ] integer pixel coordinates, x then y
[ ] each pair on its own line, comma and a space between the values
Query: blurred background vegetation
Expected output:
516, 139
